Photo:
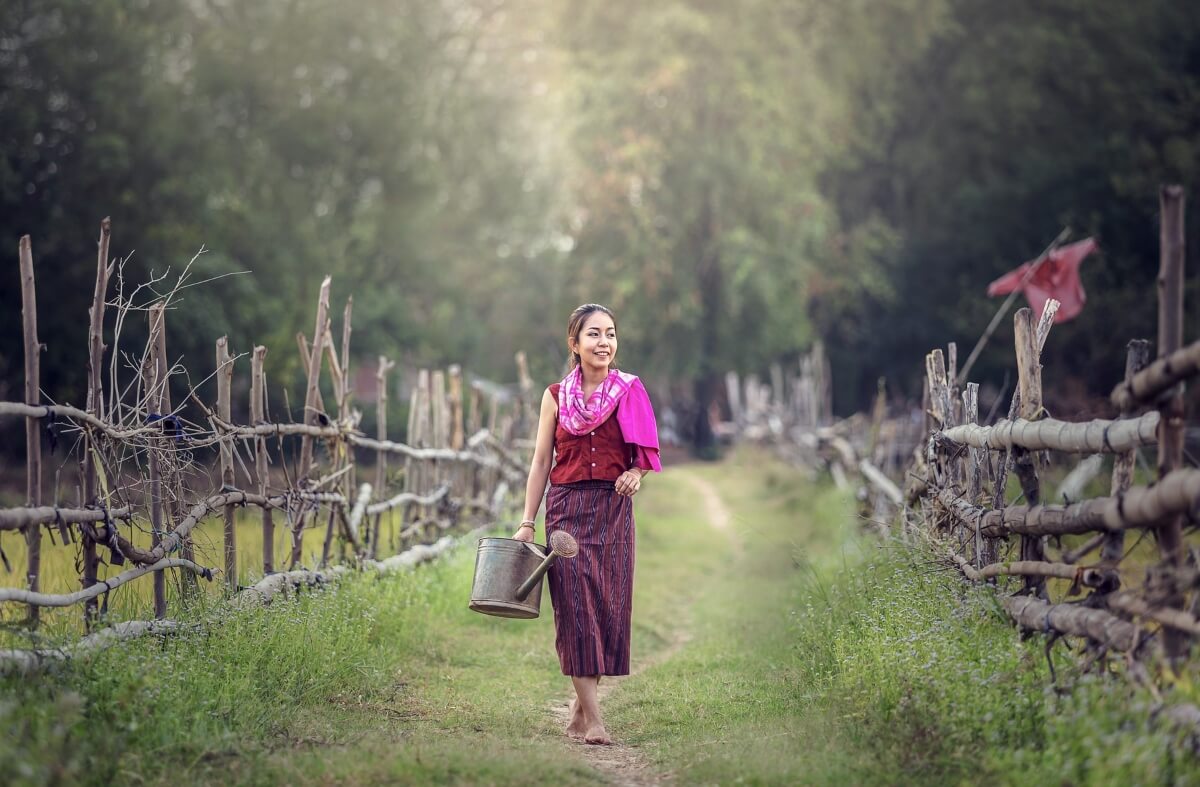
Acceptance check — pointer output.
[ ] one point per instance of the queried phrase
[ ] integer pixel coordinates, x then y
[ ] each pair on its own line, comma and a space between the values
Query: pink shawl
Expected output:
621, 392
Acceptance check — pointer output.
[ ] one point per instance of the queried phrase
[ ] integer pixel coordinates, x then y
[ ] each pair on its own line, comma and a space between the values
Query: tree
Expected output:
696, 186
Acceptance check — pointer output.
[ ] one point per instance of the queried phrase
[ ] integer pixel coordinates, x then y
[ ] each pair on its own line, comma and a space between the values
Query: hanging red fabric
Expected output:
1057, 278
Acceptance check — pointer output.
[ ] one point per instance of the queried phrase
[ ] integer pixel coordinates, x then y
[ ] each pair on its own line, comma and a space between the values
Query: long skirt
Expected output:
592, 593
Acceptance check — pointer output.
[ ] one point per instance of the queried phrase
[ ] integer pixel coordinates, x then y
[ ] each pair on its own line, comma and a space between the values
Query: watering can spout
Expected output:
562, 544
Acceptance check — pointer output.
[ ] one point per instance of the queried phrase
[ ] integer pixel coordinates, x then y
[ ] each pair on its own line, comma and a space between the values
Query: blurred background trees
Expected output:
737, 180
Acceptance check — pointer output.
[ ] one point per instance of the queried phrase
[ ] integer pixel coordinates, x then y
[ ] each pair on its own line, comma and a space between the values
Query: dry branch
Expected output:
266, 589
1095, 624
1091, 577
19, 518
26, 661
409, 558
75, 414
199, 511
102, 586
360, 508
1175, 618
1098, 436
881, 482
409, 497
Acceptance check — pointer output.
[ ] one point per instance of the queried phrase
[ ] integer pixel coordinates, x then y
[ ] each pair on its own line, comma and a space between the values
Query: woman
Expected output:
598, 426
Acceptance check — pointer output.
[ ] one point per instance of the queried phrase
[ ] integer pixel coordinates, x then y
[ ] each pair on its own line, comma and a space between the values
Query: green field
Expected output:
802, 653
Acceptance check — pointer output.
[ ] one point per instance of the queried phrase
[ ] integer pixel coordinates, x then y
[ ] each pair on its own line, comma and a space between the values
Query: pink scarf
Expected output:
635, 415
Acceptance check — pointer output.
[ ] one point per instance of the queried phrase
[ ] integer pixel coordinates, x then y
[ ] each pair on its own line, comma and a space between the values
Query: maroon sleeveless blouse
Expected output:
599, 455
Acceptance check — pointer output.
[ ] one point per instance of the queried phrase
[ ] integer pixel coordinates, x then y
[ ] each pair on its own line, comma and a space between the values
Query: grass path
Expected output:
379, 681
622, 763
771, 645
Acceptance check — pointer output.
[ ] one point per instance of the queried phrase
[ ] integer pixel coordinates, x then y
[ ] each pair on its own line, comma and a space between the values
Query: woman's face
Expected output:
597, 342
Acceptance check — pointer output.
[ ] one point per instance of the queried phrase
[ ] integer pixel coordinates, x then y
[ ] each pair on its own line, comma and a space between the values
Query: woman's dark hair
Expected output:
578, 318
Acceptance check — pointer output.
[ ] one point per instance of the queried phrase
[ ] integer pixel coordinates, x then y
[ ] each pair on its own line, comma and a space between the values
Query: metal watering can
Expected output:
508, 574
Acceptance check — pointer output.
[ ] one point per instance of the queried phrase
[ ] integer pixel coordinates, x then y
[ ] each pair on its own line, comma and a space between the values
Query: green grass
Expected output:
826, 658
815, 656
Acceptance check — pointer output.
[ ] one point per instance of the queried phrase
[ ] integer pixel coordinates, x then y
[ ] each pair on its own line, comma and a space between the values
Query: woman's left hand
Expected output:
628, 483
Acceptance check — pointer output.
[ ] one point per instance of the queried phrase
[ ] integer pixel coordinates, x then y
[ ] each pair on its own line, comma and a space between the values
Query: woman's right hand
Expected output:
524, 534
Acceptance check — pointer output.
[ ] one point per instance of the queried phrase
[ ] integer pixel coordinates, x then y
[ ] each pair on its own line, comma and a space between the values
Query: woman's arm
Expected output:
539, 466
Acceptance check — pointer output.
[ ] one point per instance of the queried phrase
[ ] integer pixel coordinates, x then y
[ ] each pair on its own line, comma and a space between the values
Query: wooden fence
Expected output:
955, 498
959, 482
144, 464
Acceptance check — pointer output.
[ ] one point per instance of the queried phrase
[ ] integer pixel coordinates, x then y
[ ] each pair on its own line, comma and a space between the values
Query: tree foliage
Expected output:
736, 180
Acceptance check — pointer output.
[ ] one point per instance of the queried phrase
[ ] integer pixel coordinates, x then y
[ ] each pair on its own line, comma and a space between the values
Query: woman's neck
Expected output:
592, 377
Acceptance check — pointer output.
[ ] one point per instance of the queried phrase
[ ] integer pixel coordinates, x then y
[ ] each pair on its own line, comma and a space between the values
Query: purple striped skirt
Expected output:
592, 593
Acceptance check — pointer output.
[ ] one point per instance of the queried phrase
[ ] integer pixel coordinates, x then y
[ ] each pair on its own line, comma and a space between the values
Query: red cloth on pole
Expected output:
1057, 278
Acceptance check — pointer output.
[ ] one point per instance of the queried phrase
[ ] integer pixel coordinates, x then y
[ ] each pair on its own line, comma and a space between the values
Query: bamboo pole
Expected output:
1088, 437
1095, 624
1171, 428
33, 396
1158, 378
258, 390
224, 386
1140, 507
1136, 357
94, 405
152, 387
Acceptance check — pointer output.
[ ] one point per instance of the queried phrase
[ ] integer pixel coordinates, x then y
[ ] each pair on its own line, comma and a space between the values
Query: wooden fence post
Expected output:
312, 396
526, 419
1113, 549
91, 561
312, 388
258, 392
1029, 382
381, 456
457, 436
224, 385
974, 472
349, 483
153, 384
1171, 427
33, 438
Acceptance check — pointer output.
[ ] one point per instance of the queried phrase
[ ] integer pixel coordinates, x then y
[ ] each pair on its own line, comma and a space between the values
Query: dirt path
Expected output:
621, 763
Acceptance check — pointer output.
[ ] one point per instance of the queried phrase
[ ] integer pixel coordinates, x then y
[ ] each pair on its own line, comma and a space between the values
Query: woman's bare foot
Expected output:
597, 735
577, 726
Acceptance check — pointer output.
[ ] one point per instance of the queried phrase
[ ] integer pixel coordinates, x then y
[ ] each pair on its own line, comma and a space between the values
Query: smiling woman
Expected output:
596, 439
